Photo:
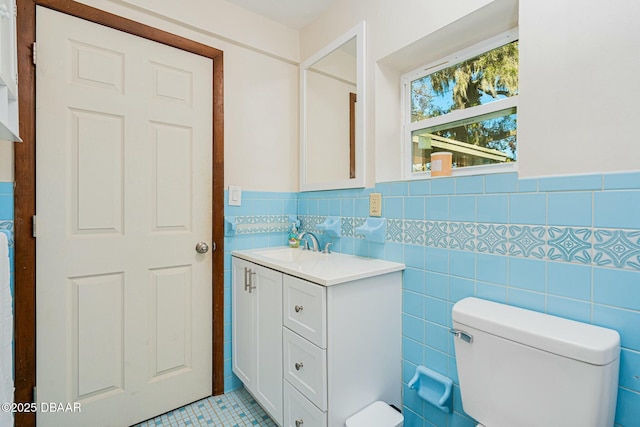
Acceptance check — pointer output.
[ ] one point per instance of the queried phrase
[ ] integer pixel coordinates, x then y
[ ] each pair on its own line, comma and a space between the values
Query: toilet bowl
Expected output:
378, 414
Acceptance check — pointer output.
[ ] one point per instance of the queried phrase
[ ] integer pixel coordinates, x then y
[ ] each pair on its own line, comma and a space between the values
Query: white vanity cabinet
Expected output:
8, 72
340, 339
257, 333
342, 348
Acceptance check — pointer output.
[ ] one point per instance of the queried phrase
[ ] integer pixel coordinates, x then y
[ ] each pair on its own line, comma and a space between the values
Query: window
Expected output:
465, 104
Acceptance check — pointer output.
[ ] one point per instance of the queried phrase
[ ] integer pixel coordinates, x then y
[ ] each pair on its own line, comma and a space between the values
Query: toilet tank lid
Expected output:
564, 337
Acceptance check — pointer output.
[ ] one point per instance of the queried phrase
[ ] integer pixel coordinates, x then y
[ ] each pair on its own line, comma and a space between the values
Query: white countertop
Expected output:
323, 269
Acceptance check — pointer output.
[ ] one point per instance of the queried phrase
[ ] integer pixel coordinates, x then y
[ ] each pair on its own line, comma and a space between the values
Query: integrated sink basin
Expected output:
290, 255
323, 269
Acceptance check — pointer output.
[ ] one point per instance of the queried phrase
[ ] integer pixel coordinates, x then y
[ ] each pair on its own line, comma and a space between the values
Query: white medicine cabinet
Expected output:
8, 72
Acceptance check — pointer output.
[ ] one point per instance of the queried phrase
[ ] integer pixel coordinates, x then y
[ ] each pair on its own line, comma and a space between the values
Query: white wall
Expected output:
577, 74
578, 81
260, 82
327, 131
6, 161
329, 83
391, 26
260, 122
577, 71
218, 19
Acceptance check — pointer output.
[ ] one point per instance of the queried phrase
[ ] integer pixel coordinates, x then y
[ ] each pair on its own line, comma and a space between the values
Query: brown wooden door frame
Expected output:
25, 190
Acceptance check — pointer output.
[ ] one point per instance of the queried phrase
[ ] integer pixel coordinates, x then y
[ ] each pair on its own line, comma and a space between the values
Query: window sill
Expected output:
469, 171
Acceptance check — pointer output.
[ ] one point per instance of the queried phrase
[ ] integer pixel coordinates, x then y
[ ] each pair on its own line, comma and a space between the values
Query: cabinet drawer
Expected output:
298, 409
305, 309
305, 367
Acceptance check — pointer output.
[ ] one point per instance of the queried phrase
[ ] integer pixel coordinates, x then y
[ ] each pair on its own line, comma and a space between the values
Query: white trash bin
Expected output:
378, 414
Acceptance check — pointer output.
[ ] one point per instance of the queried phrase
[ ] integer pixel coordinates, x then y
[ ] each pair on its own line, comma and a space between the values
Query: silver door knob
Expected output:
202, 248
299, 422
299, 366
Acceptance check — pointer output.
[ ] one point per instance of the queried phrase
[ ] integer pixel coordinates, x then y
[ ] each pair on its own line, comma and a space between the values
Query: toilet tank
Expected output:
522, 368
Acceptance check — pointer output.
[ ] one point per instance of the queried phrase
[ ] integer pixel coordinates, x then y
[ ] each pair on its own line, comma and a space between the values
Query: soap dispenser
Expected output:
293, 237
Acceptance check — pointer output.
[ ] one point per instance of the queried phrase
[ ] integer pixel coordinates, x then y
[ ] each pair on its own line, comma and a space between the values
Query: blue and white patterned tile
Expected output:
492, 238
527, 241
279, 223
462, 236
253, 224
436, 233
414, 232
245, 219
346, 225
570, 244
610, 247
617, 248
358, 222
394, 230
309, 222
245, 230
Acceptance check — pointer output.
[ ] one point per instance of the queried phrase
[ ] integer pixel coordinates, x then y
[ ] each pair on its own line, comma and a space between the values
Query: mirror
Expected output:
332, 115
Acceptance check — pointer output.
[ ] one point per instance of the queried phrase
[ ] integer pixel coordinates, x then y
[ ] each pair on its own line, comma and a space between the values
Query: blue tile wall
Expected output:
6, 222
567, 246
262, 221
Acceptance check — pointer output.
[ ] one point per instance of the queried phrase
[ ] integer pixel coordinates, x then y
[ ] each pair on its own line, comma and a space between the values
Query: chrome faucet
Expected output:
314, 240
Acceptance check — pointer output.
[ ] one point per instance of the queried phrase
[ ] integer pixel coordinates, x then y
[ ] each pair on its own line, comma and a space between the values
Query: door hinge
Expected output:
34, 53
35, 394
34, 224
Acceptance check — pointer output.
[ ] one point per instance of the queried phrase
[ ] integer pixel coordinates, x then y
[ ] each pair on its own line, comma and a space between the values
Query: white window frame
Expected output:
408, 127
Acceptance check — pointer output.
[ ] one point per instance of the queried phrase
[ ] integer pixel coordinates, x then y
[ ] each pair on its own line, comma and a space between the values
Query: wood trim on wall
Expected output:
25, 190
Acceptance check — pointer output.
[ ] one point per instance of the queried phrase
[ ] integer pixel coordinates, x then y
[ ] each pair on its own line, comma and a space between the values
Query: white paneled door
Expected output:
123, 193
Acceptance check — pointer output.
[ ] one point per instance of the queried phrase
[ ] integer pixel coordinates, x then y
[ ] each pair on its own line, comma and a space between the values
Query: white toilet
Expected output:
378, 414
522, 368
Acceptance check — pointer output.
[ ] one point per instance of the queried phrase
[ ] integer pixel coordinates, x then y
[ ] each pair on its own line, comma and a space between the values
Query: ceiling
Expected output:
292, 13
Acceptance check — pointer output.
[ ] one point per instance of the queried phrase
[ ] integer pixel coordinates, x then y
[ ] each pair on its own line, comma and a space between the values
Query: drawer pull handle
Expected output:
252, 275
299, 422
299, 366
298, 308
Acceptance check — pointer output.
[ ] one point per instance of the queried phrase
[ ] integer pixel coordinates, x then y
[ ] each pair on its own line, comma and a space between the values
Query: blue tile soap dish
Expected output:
230, 226
373, 229
331, 226
433, 388
293, 219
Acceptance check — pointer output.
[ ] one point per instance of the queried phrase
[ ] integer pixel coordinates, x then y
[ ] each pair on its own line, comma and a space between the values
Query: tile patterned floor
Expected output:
234, 409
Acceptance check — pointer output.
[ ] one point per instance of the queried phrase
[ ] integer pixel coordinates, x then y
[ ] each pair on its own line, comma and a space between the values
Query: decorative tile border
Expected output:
348, 225
252, 224
527, 241
617, 248
463, 236
492, 238
569, 244
601, 247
